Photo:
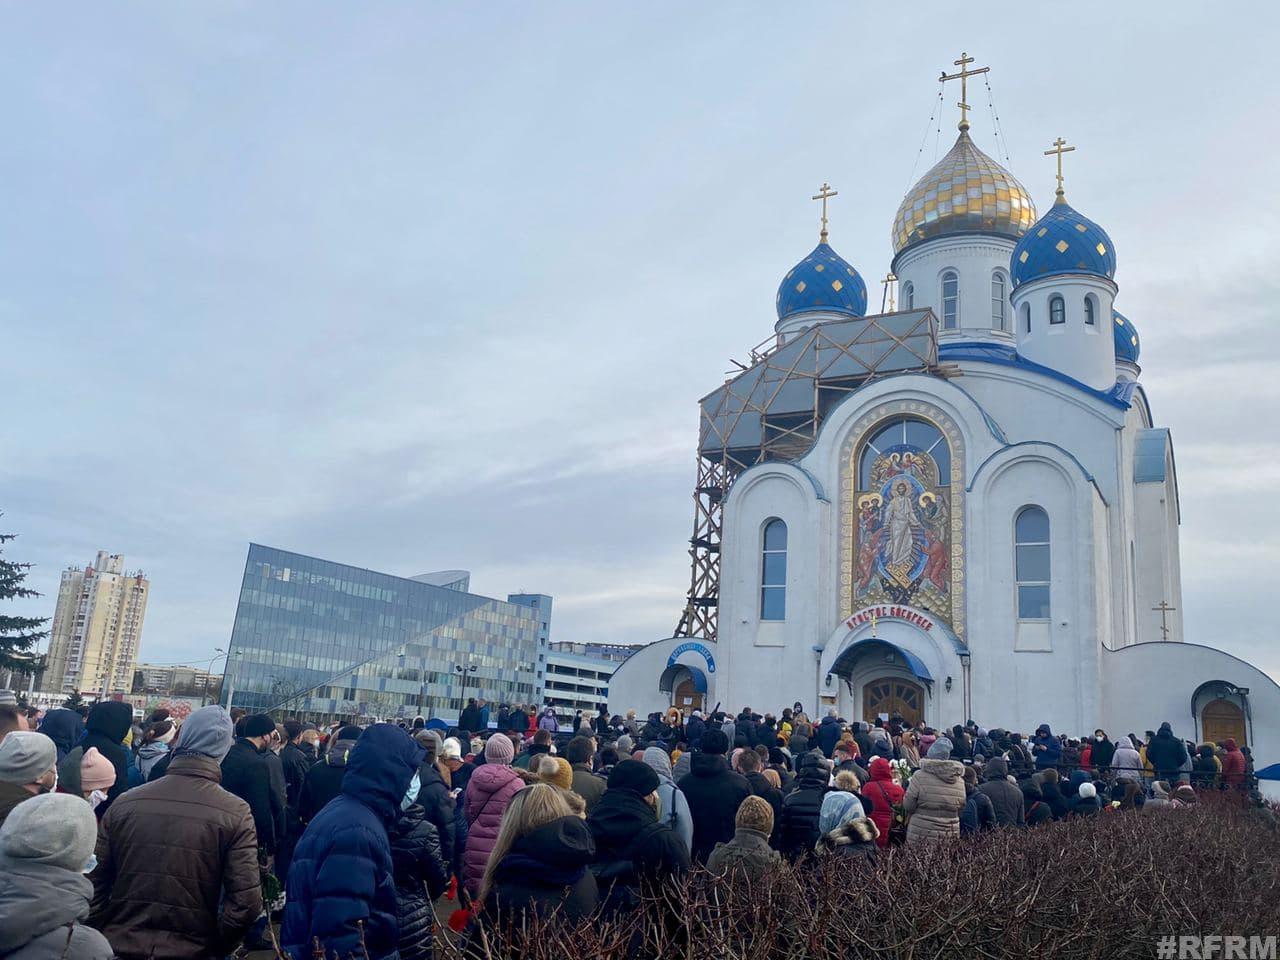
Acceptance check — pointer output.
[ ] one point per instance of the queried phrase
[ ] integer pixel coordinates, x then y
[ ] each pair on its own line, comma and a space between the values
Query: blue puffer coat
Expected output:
1046, 748
342, 868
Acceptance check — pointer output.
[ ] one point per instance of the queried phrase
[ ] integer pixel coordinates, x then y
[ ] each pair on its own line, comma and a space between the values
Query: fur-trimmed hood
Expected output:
860, 830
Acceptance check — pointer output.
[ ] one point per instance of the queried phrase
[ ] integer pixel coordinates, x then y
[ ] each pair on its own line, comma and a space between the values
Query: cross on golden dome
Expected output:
1059, 147
963, 76
825, 194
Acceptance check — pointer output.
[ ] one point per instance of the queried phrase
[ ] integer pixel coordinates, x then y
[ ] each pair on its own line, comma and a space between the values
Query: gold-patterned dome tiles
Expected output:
965, 191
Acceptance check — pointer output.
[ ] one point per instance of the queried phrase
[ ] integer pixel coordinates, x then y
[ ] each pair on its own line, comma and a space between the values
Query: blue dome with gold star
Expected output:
1127, 345
822, 281
1063, 241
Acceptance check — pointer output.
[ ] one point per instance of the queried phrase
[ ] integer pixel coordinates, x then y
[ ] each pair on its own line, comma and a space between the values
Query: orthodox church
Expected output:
963, 507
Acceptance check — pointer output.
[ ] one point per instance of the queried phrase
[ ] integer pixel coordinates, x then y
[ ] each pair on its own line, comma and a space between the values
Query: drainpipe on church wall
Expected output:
964, 674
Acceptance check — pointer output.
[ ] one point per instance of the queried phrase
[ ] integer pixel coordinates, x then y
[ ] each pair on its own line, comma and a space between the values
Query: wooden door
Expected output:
686, 699
890, 696
1222, 719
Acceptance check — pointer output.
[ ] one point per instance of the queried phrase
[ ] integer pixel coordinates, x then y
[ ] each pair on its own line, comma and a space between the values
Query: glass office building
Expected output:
317, 639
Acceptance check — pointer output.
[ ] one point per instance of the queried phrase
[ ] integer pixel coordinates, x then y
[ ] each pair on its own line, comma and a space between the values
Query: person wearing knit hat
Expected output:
46, 846
253, 773
499, 749
935, 796
634, 844
749, 850
553, 770
142, 839
940, 749
28, 766
96, 776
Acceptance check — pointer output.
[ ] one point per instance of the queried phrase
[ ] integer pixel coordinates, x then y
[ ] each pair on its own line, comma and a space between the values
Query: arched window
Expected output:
908, 296
997, 301
1090, 311
1057, 309
1031, 563
1026, 317
950, 300
773, 572
903, 431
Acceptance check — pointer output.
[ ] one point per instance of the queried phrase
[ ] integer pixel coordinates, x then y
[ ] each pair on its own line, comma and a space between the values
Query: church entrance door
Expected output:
1222, 719
686, 699
892, 695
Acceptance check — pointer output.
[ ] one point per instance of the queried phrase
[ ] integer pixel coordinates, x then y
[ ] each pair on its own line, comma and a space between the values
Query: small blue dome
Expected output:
1063, 241
822, 281
1128, 347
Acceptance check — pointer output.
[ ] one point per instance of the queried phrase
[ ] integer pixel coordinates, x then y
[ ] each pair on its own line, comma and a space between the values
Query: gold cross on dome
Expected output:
825, 194
963, 76
888, 297
1059, 147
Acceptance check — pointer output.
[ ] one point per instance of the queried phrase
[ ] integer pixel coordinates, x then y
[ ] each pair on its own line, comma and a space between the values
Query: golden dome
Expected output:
965, 192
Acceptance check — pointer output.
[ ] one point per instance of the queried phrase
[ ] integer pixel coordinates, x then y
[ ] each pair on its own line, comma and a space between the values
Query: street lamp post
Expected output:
204, 687
464, 672
231, 686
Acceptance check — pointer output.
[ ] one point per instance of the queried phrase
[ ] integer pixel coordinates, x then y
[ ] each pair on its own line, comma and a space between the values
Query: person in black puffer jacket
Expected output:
434, 794
802, 808
694, 729
421, 874
324, 779
749, 764
714, 793
1038, 811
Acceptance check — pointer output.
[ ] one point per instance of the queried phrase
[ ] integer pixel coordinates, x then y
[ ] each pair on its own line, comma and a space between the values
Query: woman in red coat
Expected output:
884, 794
1233, 765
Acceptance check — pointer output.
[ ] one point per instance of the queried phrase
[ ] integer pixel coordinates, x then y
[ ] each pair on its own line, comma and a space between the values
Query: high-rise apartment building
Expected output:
97, 628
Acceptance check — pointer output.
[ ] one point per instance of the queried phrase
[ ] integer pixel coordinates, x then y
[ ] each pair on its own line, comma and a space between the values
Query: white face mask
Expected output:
412, 793
96, 798
90, 863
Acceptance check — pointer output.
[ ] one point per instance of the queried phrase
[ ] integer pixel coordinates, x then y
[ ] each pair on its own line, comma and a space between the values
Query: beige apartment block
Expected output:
97, 628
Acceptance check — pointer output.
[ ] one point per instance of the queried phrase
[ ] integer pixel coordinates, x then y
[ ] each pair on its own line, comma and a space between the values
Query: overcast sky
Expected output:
415, 286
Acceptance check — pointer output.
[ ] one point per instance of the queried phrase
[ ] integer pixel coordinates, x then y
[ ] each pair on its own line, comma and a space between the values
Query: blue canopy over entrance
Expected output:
850, 655
667, 681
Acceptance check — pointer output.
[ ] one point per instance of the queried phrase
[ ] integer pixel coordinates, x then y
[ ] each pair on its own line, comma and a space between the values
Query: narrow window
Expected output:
773, 572
1090, 314
950, 300
1026, 317
1057, 309
1031, 563
997, 301
908, 296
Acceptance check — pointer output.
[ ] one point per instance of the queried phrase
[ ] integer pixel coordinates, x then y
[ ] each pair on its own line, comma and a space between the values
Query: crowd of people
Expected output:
186, 839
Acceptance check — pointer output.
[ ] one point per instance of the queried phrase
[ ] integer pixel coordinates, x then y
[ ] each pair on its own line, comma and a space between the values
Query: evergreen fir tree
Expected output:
74, 701
18, 635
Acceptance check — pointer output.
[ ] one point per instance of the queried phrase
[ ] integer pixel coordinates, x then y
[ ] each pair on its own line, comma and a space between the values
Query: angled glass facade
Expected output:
318, 639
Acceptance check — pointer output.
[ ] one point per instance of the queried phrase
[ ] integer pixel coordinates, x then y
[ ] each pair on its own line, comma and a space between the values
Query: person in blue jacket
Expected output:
341, 887
1045, 748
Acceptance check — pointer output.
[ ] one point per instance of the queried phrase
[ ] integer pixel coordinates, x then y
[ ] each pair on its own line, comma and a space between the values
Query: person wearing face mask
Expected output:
635, 847
88, 774
177, 872
1102, 753
28, 768
46, 846
341, 890
421, 873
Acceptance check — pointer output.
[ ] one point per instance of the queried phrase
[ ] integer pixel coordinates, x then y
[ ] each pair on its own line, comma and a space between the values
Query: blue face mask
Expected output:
90, 864
412, 793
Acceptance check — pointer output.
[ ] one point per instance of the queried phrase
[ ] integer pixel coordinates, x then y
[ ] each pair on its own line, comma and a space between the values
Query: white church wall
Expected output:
1147, 684
764, 663
1078, 349
1029, 672
974, 259
634, 685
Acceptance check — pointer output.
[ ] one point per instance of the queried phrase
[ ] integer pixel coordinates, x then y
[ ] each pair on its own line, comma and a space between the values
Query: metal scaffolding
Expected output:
773, 410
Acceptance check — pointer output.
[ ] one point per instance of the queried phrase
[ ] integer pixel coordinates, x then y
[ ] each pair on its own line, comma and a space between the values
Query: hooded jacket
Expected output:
1046, 748
934, 798
434, 796
673, 808
1234, 766
856, 839
342, 869
1038, 810
178, 866
545, 872
1005, 798
884, 794
63, 727
802, 809
108, 724
714, 793
1101, 754
323, 781
149, 754
748, 852
1126, 762
489, 790
828, 735
632, 845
